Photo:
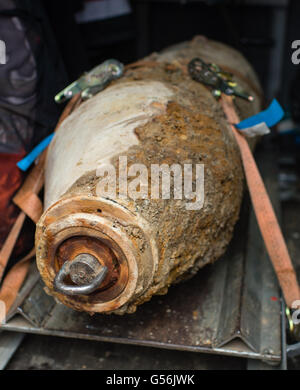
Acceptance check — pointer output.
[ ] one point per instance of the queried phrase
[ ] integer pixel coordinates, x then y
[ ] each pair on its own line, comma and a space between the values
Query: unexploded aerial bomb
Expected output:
101, 253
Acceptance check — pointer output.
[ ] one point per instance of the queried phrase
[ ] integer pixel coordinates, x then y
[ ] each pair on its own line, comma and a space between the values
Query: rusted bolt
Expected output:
84, 268
85, 271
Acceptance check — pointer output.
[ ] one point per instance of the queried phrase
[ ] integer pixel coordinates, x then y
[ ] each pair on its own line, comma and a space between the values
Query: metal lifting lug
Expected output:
85, 271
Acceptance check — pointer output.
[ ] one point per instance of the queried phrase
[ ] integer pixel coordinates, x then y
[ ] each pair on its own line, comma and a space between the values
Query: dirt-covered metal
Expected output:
154, 114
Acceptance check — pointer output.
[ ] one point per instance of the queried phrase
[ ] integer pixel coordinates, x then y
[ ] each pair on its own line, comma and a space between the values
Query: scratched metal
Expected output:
231, 307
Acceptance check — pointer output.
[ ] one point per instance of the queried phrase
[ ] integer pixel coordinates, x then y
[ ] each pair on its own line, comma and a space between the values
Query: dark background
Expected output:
262, 30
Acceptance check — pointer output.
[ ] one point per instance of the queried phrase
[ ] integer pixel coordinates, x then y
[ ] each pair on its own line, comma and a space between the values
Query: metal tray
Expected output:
232, 307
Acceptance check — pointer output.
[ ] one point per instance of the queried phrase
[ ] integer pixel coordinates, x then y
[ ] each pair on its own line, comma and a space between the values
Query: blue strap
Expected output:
25, 163
272, 115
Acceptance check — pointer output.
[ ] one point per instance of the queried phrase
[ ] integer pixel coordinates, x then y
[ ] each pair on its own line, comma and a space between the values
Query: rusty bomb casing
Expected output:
154, 114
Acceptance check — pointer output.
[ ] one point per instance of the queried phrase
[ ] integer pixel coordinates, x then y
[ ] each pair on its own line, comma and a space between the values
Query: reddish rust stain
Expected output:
190, 129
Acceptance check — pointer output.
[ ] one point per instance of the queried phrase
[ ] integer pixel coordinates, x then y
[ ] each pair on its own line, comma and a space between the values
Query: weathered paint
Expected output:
154, 114
99, 129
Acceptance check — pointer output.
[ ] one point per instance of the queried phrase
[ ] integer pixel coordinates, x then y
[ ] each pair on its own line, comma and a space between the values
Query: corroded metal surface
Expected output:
231, 307
209, 314
153, 115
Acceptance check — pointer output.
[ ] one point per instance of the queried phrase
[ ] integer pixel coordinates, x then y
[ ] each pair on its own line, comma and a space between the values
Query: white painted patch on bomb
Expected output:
108, 121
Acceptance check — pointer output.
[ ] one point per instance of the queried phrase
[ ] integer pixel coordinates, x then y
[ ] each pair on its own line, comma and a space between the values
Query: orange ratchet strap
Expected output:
30, 204
264, 212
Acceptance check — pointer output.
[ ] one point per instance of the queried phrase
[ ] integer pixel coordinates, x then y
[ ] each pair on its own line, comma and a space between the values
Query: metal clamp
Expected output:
293, 327
216, 78
92, 82
85, 271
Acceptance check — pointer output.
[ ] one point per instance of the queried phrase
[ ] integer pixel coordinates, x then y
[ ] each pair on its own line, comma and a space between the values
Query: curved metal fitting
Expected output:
85, 270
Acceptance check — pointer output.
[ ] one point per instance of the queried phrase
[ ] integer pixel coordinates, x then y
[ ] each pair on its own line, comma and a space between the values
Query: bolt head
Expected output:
84, 268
